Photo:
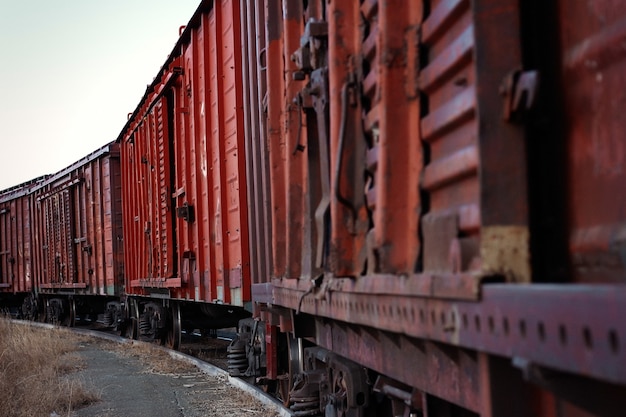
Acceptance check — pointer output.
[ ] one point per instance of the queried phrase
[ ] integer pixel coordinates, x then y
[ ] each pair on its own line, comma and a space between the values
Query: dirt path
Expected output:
138, 380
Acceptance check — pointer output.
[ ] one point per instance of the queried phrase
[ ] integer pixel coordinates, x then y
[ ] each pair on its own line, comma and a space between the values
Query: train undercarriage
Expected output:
515, 351
148, 319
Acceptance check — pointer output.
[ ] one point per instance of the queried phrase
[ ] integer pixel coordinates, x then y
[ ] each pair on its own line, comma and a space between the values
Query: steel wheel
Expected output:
71, 319
296, 364
174, 331
296, 357
130, 329
30, 307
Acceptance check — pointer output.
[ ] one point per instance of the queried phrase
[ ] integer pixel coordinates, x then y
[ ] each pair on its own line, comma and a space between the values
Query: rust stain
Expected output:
505, 251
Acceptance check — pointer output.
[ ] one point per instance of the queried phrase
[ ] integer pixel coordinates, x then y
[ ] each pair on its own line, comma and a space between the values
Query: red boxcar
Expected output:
184, 181
433, 165
420, 201
78, 237
16, 249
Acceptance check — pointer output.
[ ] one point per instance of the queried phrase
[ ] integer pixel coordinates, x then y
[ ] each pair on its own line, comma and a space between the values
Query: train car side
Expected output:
184, 181
78, 243
17, 280
432, 204
419, 202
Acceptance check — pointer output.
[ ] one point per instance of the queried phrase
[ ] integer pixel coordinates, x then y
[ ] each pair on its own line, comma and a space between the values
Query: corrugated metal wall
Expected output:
78, 230
184, 179
16, 240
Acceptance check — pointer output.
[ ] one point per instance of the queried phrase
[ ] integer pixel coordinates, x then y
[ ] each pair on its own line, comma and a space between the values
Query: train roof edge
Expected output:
110, 148
175, 53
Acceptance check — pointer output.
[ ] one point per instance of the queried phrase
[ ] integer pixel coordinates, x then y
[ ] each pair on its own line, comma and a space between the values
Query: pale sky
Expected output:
71, 71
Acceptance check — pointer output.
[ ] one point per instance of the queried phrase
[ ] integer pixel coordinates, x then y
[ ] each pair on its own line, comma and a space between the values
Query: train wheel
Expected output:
296, 356
54, 311
296, 363
30, 307
71, 317
172, 339
338, 400
130, 329
42, 315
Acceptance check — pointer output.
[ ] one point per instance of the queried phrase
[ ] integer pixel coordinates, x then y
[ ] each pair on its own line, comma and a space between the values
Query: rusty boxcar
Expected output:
184, 184
418, 201
77, 239
17, 280
443, 179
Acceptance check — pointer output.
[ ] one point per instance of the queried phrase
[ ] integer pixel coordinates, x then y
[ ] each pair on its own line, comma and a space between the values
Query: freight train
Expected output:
411, 208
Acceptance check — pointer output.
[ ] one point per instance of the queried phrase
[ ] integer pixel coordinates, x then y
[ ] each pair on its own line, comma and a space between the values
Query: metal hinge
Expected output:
519, 90
186, 212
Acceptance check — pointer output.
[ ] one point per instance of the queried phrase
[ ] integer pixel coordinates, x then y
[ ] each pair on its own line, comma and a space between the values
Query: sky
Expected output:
71, 71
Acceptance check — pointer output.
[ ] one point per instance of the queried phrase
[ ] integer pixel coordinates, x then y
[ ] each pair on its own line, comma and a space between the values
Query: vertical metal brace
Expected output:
347, 96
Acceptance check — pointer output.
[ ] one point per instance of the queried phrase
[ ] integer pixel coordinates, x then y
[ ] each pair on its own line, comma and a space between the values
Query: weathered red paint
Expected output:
445, 201
592, 36
347, 143
16, 239
396, 100
389, 174
184, 180
293, 132
77, 227
573, 329
257, 157
276, 142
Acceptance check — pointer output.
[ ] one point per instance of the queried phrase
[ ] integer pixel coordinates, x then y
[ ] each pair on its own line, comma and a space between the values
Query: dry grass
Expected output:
157, 361
220, 398
214, 396
153, 359
34, 368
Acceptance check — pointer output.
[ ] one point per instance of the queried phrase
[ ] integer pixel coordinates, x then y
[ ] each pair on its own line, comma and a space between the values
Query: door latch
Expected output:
519, 90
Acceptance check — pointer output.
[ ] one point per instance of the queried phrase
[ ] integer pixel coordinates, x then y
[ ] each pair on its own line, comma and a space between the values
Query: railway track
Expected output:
210, 348
205, 352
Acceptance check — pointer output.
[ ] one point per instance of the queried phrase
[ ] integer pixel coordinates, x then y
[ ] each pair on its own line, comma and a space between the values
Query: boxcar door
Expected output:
147, 195
161, 190
59, 250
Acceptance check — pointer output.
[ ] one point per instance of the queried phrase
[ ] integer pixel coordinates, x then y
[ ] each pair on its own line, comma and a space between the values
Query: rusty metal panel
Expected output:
257, 157
383, 141
449, 131
448, 82
347, 142
391, 58
161, 189
428, 104
147, 209
572, 328
16, 240
435, 368
474, 179
275, 140
58, 238
592, 36
183, 160
114, 237
77, 228
238, 262
290, 137
227, 154
292, 129
153, 214
215, 154
129, 204
453, 156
